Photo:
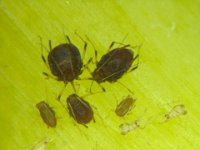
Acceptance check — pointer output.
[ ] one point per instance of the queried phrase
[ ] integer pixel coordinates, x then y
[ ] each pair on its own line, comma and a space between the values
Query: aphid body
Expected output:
65, 62
79, 109
127, 127
124, 106
47, 114
175, 112
113, 65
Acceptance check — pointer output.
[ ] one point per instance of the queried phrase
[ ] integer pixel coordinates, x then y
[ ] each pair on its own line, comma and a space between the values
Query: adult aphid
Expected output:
114, 64
124, 106
65, 61
79, 109
176, 111
47, 114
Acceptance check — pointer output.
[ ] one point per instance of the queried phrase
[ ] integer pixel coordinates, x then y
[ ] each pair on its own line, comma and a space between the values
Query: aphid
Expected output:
79, 109
65, 61
127, 127
175, 112
114, 64
47, 114
124, 106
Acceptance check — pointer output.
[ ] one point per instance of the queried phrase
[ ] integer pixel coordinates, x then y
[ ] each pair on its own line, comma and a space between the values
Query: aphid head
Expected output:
38, 105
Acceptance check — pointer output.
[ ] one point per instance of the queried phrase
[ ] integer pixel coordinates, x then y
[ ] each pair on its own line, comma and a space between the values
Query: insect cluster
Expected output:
66, 64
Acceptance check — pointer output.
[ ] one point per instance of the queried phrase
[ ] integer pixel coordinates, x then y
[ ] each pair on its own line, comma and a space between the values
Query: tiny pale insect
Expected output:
176, 111
127, 127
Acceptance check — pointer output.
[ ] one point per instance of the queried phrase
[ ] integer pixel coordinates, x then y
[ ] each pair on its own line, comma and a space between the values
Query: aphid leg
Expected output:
42, 53
91, 86
95, 50
85, 45
68, 39
85, 125
50, 45
136, 65
113, 43
48, 75
94, 119
136, 57
125, 87
72, 83
86, 65
61, 92
102, 88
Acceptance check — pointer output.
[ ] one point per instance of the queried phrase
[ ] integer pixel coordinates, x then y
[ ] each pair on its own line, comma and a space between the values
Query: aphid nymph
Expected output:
127, 127
79, 109
176, 111
124, 106
47, 114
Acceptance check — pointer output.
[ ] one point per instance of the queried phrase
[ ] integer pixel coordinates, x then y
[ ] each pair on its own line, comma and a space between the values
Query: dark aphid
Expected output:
65, 61
124, 106
114, 64
47, 114
79, 109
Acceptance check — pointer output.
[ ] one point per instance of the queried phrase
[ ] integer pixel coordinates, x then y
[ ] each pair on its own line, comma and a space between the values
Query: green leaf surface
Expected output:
168, 73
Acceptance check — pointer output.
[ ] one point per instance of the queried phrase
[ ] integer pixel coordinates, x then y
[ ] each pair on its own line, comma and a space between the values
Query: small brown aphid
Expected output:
175, 112
79, 109
127, 127
124, 106
47, 114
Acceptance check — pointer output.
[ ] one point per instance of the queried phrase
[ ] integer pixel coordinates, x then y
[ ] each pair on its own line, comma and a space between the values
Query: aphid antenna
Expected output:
95, 50
42, 51
66, 36
85, 43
